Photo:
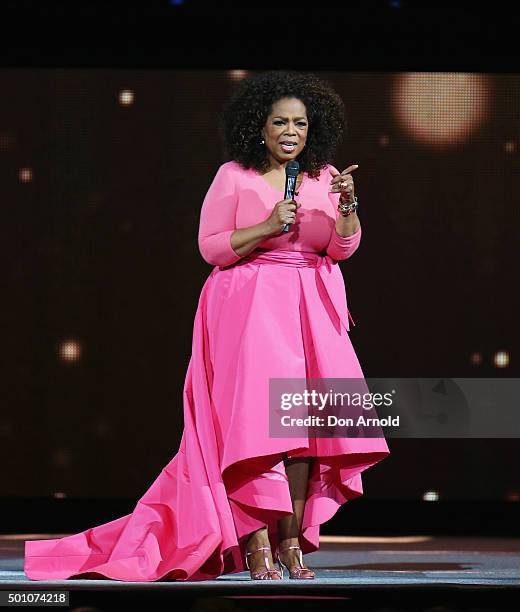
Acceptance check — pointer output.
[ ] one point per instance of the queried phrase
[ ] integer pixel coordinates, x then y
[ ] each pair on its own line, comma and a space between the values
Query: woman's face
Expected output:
287, 123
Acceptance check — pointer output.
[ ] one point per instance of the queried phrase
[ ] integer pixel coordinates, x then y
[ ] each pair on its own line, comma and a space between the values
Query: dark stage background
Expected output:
103, 173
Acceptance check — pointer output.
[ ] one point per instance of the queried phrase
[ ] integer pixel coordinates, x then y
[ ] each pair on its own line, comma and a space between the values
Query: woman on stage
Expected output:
274, 306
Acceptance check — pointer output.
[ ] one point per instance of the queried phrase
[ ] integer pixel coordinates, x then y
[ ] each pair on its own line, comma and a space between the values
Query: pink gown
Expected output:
279, 312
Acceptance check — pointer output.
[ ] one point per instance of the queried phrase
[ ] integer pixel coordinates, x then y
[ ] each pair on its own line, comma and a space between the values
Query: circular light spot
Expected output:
237, 75
126, 97
476, 358
70, 350
440, 108
501, 359
25, 175
430, 496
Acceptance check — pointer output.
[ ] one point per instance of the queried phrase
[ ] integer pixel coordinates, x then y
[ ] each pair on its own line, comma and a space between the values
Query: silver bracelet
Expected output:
348, 209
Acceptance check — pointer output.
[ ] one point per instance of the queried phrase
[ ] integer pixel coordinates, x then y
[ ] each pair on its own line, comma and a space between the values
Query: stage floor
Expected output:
404, 572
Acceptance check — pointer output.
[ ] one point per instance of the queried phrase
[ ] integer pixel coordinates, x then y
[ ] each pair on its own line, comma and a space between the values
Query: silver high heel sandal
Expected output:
299, 573
267, 574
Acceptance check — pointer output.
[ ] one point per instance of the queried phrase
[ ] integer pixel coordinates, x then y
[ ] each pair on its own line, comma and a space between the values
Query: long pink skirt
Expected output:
278, 314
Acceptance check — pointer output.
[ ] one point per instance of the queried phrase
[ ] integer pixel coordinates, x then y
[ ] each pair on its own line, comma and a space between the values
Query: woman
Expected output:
274, 306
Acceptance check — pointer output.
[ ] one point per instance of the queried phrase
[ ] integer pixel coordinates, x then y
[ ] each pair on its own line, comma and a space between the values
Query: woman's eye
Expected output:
279, 122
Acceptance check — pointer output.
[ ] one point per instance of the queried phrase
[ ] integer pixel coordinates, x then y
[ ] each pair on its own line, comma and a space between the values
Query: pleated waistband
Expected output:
297, 259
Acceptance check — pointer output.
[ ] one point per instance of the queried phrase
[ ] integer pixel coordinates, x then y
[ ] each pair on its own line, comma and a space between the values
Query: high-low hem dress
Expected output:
279, 312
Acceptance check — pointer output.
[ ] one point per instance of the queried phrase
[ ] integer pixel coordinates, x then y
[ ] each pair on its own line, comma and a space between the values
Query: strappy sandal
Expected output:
299, 573
267, 574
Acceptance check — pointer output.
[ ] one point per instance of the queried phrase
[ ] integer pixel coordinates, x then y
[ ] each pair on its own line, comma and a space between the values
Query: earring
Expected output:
262, 141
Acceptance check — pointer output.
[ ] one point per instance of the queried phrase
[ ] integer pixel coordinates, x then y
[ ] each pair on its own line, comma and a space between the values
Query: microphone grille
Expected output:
292, 168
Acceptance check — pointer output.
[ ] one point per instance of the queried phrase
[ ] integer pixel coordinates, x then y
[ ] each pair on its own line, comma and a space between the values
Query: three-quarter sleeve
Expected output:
341, 247
217, 219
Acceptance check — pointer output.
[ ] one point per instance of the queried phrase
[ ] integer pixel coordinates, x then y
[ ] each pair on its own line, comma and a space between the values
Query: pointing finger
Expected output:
345, 174
349, 169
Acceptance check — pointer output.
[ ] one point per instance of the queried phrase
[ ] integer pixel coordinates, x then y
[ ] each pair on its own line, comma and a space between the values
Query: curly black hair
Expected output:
245, 113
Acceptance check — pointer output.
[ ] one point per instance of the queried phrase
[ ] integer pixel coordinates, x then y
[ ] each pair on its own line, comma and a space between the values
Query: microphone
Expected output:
292, 169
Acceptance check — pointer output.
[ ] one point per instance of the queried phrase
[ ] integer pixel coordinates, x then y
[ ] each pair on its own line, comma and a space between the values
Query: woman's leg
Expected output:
258, 539
289, 527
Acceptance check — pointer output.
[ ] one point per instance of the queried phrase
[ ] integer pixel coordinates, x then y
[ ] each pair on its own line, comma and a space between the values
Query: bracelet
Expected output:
347, 209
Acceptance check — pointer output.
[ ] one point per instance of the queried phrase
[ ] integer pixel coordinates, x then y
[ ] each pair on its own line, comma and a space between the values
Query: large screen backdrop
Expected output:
103, 173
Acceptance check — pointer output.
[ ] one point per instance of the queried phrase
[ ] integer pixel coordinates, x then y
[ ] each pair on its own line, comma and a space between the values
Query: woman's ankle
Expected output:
258, 538
284, 543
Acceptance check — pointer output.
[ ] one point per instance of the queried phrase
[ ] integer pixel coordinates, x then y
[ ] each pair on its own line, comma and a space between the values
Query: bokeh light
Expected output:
70, 350
237, 75
501, 359
126, 97
25, 175
476, 358
441, 108
431, 496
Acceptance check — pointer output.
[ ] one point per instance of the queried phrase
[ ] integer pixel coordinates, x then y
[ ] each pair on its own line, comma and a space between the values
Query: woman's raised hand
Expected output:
283, 212
343, 182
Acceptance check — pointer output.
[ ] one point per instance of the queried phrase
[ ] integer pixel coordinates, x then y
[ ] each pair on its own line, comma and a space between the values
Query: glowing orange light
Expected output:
501, 359
126, 97
441, 108
25, 175
476, 358
237, 75
70, 350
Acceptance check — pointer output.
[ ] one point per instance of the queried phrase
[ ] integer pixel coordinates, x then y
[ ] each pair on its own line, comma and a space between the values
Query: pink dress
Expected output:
279, 312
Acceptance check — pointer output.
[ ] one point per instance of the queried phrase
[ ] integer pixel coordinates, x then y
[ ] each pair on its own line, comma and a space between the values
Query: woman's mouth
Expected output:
288, 147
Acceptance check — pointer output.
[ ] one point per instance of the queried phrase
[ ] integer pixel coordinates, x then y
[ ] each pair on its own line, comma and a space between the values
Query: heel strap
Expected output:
278, 551
258, 549
266, 560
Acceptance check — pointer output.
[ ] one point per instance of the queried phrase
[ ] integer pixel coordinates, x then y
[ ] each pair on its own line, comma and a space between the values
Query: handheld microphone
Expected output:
292, 169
